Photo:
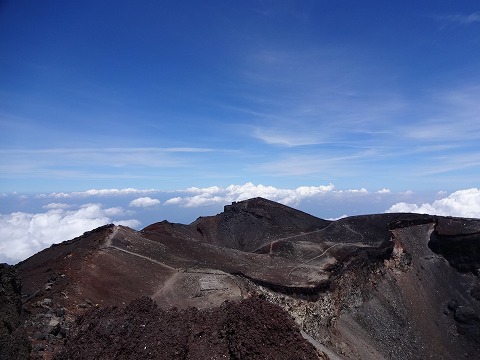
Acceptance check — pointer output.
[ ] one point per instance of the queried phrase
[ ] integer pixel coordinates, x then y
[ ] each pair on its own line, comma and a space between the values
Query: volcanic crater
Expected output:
260, 280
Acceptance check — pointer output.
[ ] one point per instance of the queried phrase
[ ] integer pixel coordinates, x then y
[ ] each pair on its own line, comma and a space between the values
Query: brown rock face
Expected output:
386, 286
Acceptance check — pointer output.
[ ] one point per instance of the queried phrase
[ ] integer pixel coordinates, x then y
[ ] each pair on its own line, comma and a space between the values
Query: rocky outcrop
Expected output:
14, 343
461, 248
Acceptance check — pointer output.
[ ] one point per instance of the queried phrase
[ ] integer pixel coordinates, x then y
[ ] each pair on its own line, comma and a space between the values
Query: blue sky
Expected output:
170, 95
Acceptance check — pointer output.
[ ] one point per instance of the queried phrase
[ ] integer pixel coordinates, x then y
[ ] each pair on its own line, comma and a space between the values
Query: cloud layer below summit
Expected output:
461, 203
56, 217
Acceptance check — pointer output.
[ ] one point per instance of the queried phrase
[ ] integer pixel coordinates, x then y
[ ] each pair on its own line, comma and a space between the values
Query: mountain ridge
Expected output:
364, 287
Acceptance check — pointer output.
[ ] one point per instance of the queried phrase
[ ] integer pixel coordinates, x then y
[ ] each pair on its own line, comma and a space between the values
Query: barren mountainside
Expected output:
385, 286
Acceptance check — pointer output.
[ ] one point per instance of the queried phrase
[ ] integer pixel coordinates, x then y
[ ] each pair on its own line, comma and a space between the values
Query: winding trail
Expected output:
108, 244
326, 250
295, 236
310, 233
316, 257
331, 355
167, 285
355, 232
173, 278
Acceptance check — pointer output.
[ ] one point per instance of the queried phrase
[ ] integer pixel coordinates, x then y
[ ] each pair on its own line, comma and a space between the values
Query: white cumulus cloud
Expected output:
174, 201
354, 191
144, 202
24, 234
56, 206
216, 195
97, 192
117, 211
461, 203
384, 191
112, 192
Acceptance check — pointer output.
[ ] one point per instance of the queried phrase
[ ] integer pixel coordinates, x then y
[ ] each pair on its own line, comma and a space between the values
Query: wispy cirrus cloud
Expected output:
322, 96
97, 162
460, 19
330, 116
106, 150
148, 156
455, 162
328, 163
451, 116
284, 137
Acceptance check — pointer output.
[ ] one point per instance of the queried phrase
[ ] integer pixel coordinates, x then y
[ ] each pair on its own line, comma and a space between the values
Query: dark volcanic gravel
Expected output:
14, 343
250, 329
